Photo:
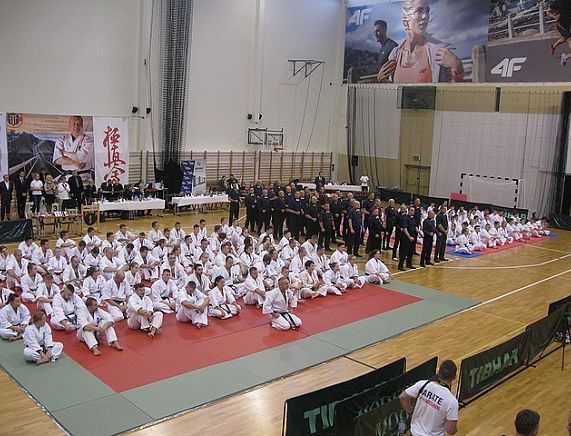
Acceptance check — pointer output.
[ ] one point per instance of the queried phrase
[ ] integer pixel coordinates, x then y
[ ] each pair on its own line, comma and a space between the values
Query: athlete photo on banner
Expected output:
414, 41
50, 144
529, 41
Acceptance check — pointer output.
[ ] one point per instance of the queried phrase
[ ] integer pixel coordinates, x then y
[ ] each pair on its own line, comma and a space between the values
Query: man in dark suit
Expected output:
319, 181
21, 186
6, 188
76, 189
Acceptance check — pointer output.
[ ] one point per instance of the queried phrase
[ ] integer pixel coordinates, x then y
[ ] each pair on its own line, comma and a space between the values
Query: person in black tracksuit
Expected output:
264, 211
335, 207
279, 215
407, 240
312, 217
251, 202
376, 231
234, 197
295, 212
417, 218
326, 227
398, 231
428, 230
390, 221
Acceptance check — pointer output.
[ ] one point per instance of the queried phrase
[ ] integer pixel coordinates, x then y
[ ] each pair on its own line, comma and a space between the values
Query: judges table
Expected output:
198, 201
344, 188
132, 206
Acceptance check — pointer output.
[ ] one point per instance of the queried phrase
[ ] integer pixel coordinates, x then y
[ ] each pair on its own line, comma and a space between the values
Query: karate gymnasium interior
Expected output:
270, 92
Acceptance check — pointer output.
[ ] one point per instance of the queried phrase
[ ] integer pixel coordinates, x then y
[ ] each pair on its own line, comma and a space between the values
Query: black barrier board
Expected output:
557, 304
483, 370
313, 413
347, 411
15, 231
544, 330
382, 421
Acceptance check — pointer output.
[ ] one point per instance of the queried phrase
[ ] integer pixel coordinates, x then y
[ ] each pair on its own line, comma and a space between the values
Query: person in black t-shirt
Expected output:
407, 240
326, 225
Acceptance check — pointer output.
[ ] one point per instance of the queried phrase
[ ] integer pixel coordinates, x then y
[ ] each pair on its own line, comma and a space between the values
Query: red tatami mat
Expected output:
182, 347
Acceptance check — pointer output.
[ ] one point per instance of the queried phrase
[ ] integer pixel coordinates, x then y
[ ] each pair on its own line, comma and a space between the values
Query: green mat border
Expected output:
177, 395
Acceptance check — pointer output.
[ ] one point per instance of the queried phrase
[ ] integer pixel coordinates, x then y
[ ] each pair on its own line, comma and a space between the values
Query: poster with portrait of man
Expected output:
50, 144
415, 41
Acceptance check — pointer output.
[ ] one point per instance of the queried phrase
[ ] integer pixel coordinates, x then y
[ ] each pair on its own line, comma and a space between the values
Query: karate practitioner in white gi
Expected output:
14, 318
192, 306
93, 324
375, 270
277, 304
39, 345
141, 312
66, 305
223, 305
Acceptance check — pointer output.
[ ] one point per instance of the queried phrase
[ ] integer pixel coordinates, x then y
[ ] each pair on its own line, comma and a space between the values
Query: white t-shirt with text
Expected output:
435, 406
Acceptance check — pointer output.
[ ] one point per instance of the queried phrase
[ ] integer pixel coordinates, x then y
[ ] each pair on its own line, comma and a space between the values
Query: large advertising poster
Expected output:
436, 41
414, 41
111, 150
50, 144
199, 181
527, 41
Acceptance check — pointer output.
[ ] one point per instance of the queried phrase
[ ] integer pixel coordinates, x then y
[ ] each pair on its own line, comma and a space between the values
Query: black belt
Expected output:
72, 318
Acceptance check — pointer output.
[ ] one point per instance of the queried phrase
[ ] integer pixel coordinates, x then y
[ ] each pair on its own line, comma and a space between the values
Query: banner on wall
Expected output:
50, 144
187, 168
460, 41
3, 145
111, 150
199, 180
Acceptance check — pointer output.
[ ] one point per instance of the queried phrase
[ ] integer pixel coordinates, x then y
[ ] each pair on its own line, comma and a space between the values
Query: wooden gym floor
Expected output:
516, 287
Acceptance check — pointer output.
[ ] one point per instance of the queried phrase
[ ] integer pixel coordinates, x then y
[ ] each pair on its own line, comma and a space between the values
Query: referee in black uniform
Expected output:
234, 197
441, 235
407, 240
428, 230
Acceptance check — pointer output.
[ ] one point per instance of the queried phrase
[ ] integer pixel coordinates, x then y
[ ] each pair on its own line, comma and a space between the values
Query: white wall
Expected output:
229, 76
69, 56
513, 145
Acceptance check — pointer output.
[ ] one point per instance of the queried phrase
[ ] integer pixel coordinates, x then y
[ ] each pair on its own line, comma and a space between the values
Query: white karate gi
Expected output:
65, 310
224, 299
119, 294
43, 291
376, 271
339, 257
297, 265
96, 319
350, 276
155, 236
12, 318
230, 278
462, 245
287, 254
250, 285
42, 259
30, 286
178, 274
330, 279
185, 314
136, 321
124, 238
4, 261
475, 241
310, 247
91, 260
81, 147
56, 267
4, 294
202, 282
36, 340
93, 288
19, 269
147, 273
162, 293
92, 241
276, 302
109, 263
28, 250
309, 284
75, 277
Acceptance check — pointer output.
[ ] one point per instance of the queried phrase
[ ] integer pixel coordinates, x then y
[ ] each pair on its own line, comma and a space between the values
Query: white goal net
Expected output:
499, 191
